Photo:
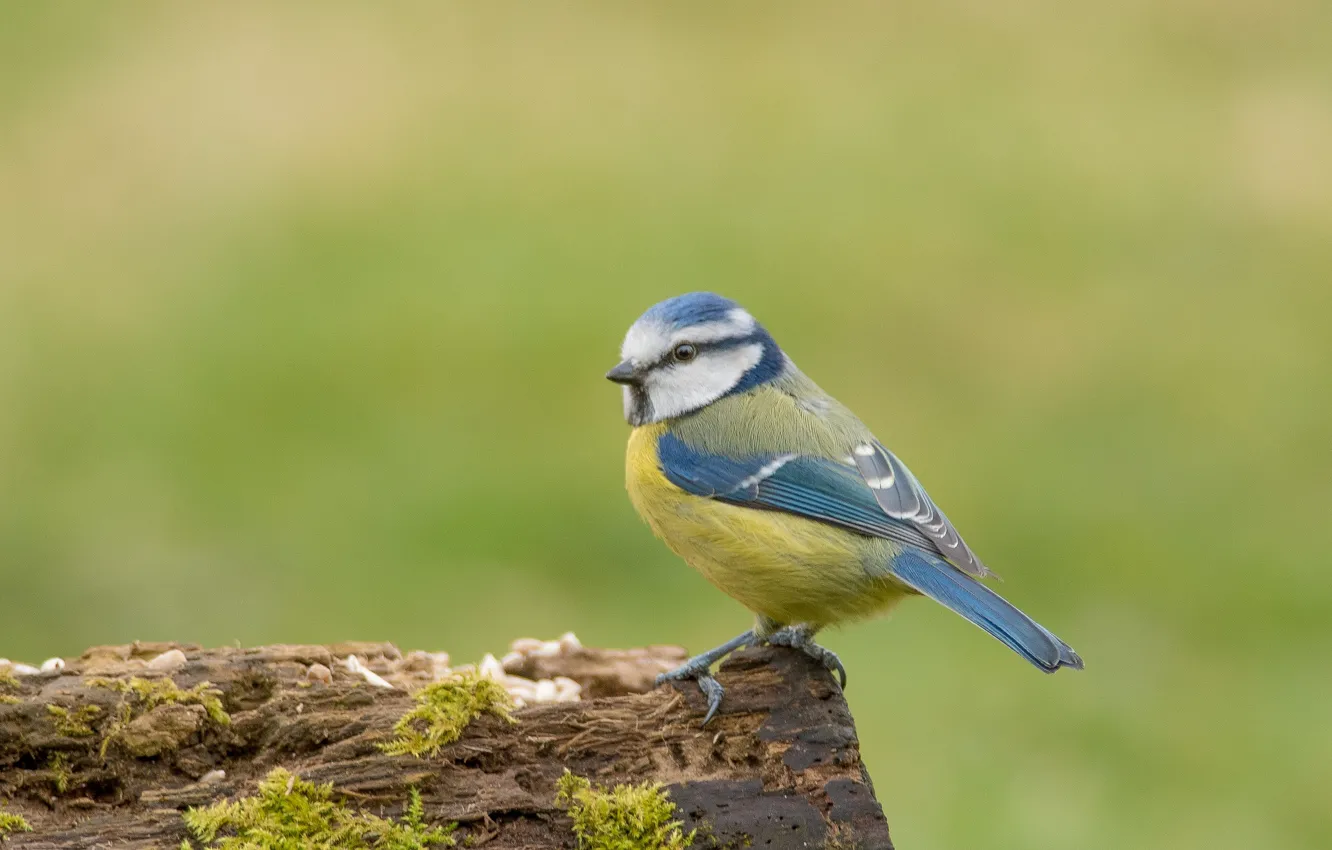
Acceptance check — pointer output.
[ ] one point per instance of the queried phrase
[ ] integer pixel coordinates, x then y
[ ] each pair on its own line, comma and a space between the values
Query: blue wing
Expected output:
813, 487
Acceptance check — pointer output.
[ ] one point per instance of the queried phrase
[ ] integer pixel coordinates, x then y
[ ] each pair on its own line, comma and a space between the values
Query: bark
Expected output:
779, 767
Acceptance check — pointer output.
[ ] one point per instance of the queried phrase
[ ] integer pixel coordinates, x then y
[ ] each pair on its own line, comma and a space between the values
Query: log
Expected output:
88, 764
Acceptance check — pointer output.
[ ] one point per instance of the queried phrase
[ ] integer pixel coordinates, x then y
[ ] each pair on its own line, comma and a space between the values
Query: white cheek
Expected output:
683, 388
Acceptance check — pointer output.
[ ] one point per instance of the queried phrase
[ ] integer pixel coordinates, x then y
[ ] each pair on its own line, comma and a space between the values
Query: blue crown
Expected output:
692, 308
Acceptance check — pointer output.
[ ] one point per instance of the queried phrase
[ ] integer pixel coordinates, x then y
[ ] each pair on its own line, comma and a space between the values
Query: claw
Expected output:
797, 637
834, 665
713, 690
698, 667
828, 659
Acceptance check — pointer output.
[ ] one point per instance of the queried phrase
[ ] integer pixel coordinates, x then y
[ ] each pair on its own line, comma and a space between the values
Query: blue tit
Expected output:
781, 497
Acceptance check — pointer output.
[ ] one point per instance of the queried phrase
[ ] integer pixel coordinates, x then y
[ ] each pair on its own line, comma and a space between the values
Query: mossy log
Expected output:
88, 765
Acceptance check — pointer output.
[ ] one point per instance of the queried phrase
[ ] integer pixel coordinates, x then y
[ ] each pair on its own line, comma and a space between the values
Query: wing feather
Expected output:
900, 496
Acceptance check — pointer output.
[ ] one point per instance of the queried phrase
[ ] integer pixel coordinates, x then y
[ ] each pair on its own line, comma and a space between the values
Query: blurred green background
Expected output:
304, 311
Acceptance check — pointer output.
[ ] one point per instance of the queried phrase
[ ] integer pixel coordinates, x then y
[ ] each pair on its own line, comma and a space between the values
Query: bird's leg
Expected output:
698, 668
801, 637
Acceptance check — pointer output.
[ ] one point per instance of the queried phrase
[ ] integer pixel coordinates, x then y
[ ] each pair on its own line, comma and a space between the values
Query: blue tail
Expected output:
948, 586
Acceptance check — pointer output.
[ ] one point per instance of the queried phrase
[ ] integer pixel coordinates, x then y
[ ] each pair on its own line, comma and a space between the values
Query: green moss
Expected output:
8, 682
150, 693
443, 710
60, 774
75, 723
140, 696
12, 823
627, 817
289, 813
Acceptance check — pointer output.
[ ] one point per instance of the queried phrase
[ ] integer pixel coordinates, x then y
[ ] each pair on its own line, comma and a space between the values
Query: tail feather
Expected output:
948, 586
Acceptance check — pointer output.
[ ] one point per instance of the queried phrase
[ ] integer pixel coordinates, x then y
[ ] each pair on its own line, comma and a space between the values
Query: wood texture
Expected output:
779, 767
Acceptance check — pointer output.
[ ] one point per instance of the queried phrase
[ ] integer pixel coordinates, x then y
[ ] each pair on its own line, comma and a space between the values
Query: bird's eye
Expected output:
684, 352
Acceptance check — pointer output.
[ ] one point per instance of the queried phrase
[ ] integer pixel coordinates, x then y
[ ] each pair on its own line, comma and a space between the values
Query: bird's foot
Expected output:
699, 668
802, 638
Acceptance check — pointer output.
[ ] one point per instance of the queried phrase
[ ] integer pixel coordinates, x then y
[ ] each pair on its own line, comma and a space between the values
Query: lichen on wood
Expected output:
147, 694
75, 723
778, 767
154, 714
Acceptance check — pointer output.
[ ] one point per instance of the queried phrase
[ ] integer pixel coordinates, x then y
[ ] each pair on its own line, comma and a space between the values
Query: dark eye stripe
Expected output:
701, 348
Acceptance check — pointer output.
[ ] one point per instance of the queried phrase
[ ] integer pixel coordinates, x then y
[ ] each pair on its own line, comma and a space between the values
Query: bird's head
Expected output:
686, 352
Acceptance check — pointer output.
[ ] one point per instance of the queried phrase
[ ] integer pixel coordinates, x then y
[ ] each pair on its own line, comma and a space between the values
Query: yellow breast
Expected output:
785, 567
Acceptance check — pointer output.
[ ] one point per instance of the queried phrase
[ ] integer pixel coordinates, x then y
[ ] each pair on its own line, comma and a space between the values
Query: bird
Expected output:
780, 497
